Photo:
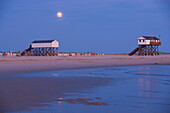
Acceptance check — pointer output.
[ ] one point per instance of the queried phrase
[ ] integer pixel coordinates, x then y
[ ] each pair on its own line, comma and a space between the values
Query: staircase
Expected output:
134, 51
26, 51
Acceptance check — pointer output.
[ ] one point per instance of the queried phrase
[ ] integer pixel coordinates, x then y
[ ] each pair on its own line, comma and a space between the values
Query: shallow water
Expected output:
125, 89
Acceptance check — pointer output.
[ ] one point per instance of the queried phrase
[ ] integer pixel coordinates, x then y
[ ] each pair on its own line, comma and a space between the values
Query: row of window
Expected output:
141, 40
151, 41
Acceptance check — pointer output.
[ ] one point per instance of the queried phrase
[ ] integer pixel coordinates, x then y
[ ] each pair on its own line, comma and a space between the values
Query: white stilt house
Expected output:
147, 40
147, 45
42, 48
45, 43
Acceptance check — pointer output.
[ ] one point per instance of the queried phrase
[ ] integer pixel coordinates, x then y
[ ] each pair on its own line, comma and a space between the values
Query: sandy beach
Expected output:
14, 64
95, 90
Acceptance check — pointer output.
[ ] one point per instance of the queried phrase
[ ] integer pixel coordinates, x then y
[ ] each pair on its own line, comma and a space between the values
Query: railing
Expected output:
155, 43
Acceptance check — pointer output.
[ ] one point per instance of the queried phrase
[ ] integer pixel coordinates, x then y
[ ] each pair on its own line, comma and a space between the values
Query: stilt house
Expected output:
147, 40
42, 48
147, 45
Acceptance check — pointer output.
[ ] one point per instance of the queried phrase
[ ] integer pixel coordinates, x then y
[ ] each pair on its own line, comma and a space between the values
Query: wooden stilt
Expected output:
148, 50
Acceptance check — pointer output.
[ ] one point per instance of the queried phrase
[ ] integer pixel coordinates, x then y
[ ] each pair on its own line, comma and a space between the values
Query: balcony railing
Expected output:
155, 43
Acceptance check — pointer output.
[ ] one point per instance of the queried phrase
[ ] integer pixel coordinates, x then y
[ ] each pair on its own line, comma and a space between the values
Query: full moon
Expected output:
59, 14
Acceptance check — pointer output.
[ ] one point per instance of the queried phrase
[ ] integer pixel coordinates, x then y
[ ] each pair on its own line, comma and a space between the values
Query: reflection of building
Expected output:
42, 48
147, 87
147, 45
147, 84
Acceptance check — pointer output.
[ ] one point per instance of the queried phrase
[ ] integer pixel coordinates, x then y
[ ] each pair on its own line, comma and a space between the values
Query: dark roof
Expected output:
42, 41
150, 37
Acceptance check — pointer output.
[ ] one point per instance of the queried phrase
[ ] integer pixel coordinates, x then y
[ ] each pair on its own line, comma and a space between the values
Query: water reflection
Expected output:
21, 93
149, 90
147, 84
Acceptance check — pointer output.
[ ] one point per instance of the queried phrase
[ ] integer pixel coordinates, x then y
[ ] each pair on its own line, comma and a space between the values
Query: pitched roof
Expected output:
150, 37
42, 41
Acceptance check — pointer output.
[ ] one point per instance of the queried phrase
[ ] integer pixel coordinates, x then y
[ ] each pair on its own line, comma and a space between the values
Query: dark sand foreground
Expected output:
21, 93
13, 64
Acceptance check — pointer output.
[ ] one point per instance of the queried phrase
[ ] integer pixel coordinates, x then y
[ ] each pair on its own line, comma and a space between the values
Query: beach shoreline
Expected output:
25, 64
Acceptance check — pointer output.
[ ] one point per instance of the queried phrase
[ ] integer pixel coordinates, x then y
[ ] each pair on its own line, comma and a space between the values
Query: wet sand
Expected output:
14, 64
19, 93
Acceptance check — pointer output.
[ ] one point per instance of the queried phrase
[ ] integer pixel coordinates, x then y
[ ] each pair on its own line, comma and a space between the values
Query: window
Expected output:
139, 40
143, 40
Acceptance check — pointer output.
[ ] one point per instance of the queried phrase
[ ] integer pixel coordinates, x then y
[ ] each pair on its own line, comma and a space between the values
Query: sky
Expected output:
103, 26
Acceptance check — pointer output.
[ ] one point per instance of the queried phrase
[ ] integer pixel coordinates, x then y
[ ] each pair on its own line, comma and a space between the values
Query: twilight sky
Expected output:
104, 26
